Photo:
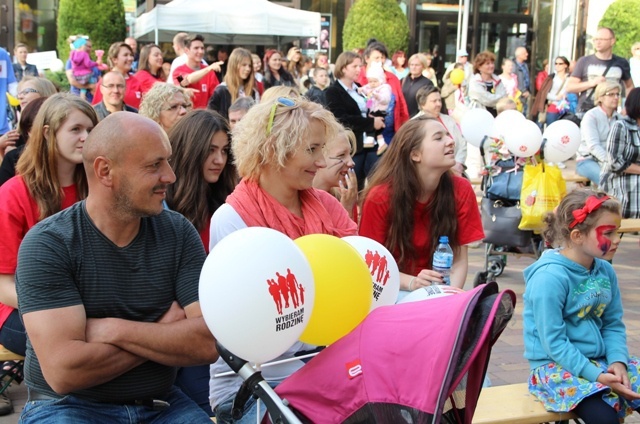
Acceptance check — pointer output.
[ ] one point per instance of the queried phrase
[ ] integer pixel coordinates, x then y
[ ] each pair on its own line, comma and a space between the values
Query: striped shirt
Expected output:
66, 261
623, 150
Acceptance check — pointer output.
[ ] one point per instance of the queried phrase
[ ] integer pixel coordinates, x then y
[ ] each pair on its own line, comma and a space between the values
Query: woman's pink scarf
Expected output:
257, 208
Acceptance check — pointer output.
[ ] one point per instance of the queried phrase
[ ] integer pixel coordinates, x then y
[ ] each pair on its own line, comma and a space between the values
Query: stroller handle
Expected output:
254, 383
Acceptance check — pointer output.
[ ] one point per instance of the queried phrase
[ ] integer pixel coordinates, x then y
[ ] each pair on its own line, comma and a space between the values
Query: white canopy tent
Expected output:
240, 22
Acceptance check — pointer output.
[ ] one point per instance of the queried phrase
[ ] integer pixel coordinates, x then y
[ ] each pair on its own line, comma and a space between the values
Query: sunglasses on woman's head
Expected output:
281, 101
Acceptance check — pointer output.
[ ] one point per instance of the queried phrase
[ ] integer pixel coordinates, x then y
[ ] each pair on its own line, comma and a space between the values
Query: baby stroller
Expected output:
402, 364
500, 210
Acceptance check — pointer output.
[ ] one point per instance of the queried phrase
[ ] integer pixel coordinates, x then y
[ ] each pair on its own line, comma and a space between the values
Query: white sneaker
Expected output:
369, 142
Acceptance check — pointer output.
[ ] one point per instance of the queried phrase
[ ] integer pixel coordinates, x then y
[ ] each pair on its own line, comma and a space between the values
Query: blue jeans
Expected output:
223, 410
13, 335
194, 382
552, 117
71, 409
364, 161
589, 168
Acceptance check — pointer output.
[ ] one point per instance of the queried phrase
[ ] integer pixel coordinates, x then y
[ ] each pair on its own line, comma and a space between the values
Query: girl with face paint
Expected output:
574, 336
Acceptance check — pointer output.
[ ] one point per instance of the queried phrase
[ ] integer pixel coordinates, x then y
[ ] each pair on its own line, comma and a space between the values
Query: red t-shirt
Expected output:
18, 213
132, 94
374, 221
146, 80
204, 88
204, 235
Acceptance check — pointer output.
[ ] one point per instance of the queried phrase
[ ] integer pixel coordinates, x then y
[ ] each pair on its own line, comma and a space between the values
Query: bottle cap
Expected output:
444, 239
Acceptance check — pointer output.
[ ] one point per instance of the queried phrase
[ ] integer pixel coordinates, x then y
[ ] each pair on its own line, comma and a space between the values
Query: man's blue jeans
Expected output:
71, 409
223, 410
589, 168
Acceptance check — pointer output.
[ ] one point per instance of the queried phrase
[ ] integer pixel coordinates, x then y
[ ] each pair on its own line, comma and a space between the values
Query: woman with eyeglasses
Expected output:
50, 177
274, 73
620, 176
121, 60
166, 104
338, 177
239, 81
278, 150
557, 96
150, 67
31, 88
594, 131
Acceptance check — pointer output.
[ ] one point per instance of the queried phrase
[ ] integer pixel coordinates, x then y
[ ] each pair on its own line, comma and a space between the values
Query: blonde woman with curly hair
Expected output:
278, 149
166, 104
239, 81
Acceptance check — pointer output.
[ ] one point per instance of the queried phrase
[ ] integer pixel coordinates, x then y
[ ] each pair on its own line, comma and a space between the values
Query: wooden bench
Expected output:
575, 178
629, 226
513, 404
7, 355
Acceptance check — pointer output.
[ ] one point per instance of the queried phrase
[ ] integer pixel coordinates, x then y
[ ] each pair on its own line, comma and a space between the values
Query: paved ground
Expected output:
507, 365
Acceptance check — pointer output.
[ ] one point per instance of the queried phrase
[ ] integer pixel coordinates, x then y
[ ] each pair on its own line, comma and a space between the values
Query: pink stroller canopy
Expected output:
403, 362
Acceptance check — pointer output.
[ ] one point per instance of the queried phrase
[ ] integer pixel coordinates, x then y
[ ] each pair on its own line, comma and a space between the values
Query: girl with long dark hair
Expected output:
412, 199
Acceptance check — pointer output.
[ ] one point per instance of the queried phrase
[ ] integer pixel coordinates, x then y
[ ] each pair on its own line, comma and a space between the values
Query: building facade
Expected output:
546, 27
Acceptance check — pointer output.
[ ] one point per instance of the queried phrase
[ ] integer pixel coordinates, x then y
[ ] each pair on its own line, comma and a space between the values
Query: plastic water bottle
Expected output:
443, 259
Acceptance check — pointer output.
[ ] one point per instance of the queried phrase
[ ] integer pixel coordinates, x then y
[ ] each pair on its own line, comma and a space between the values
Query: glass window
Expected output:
35, 24
505, 6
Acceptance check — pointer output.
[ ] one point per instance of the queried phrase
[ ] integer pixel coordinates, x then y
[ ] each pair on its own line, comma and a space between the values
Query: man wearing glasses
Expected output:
112, 89
597, 68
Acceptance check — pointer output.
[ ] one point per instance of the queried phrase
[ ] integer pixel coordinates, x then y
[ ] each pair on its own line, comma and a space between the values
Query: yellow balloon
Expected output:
342, 288
12, 100
457, 76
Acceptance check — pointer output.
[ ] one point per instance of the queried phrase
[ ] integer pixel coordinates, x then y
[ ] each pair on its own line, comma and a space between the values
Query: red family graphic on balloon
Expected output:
378, 266
282, 288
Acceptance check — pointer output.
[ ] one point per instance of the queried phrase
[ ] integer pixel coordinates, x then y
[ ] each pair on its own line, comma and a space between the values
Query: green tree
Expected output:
622, 17
102, 20
380, 19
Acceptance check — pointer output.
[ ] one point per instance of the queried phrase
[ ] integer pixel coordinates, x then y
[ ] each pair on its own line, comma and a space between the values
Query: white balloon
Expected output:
523, 139
256, 293
506, 121
385, 275
428, 292
563, 140
56, 65
475, 125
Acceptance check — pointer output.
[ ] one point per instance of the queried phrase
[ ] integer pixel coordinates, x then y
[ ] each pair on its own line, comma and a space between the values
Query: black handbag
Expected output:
500, 220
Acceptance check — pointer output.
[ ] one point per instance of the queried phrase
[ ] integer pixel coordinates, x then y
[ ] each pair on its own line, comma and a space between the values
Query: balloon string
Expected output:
269, 364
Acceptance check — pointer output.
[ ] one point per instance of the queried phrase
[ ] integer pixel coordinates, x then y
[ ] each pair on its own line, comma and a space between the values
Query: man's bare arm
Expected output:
70, 363
183, 342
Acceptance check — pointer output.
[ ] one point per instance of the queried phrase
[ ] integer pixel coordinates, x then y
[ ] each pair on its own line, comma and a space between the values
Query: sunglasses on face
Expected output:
27, 91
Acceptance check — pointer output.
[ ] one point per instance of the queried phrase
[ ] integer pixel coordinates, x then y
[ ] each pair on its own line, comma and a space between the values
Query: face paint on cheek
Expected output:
604, 244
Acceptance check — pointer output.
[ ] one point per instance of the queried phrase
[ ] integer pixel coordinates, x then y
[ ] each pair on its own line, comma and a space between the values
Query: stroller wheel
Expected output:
496, 267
